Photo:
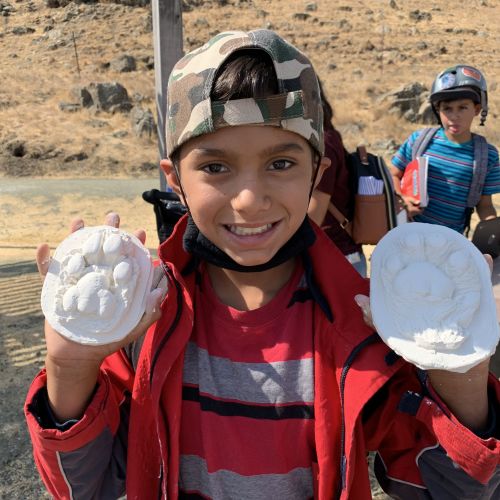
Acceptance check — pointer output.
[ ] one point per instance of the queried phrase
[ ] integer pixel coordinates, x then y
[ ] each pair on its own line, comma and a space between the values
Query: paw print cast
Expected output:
432, 299
95, 290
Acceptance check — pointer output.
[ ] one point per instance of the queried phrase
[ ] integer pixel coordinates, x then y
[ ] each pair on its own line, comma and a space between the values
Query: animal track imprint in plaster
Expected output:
431, 298
96, 287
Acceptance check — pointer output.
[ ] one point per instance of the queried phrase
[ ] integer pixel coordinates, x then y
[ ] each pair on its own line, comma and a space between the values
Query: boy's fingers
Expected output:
151, 314
43, 250
43, 258
76, 224
489, 261
153, 302
141, 235
112, 219
364, 303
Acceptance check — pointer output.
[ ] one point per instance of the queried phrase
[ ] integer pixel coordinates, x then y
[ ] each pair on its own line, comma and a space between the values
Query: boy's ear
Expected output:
477, 109
171, 175
323, 165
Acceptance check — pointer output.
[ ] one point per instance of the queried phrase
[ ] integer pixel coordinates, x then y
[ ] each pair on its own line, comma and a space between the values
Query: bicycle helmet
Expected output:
460, 82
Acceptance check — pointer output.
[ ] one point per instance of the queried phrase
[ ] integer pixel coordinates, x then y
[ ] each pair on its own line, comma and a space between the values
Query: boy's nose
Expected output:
251, 198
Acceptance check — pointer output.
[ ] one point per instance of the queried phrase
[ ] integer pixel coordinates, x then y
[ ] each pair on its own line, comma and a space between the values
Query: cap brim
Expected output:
457, 93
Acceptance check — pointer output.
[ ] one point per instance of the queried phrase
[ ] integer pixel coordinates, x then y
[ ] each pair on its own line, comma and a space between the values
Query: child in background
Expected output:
256, 376
334, 187
458, 95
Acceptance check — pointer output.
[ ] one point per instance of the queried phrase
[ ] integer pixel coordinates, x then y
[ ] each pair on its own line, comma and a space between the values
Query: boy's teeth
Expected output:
246, 231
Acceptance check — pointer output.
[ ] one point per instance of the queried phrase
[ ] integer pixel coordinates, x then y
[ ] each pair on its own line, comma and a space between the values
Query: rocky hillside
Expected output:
77, 77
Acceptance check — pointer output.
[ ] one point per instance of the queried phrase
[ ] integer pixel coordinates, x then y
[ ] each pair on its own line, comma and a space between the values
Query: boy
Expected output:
458, 95
259, 379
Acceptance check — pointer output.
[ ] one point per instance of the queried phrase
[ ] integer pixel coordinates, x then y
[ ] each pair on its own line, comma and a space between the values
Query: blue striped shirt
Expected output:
449, 177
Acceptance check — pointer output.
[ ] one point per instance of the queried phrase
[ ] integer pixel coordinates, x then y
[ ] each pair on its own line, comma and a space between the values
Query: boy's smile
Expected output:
247, 188
456, 117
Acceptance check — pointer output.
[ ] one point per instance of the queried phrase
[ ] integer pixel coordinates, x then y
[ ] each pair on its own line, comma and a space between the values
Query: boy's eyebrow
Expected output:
209, 151
278, 148
283, 148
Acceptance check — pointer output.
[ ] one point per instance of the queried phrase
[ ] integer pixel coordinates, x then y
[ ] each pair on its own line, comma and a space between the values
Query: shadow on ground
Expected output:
22, 350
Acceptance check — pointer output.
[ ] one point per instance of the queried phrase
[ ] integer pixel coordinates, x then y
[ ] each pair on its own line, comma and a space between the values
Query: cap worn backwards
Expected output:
296, 108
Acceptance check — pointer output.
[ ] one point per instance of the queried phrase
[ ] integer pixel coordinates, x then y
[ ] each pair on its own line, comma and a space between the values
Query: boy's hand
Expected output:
364, 304
72, 368
412, 206
464, 393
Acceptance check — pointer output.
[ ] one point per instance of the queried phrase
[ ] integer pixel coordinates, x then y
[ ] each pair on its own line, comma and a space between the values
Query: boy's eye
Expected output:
281, 164
214, 168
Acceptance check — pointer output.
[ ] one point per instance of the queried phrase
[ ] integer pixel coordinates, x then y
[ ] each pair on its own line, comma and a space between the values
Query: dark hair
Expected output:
327, 109
245, 73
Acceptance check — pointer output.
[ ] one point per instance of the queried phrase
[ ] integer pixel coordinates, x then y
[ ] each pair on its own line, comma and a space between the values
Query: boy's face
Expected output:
456, 117
247, 188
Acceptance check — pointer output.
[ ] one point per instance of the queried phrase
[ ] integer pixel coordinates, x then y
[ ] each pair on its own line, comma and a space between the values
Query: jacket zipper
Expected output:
347, 365
173, 326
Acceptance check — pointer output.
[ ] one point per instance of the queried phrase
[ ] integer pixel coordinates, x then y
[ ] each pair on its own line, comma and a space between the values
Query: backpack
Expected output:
480, 167
168, 210
372, 213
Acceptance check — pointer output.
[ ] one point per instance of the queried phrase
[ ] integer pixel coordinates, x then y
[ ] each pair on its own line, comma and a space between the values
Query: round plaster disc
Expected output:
96, 286
431, 298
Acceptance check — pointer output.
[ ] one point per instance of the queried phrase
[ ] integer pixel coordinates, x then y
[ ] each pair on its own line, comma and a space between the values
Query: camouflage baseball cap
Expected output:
191, 112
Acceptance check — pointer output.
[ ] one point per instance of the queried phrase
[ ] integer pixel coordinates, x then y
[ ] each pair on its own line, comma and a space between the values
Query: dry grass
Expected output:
35, 78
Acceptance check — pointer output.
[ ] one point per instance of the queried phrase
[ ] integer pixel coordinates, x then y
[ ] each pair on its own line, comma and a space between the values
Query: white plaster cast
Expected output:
96, 286
431, 298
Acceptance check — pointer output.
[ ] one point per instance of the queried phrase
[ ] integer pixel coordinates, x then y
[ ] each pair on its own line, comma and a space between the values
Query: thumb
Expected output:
43, 259
364, 304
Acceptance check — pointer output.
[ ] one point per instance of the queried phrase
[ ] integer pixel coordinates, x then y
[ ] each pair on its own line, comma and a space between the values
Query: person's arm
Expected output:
485, 208
318, 206
77, 412
83, 458
424, 449
72, 368
465, 394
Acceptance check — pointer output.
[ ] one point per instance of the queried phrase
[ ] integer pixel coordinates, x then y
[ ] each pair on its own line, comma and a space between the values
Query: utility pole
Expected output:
168, 49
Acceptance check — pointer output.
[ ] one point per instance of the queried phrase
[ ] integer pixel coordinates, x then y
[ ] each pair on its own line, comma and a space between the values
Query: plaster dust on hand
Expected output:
96, 286
431, 298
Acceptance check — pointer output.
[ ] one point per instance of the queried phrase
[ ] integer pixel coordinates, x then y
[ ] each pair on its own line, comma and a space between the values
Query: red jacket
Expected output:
366, 398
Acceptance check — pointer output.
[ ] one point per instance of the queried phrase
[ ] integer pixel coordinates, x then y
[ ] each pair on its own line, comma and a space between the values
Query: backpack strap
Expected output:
343, 221
363, 154
390, 199
480, 169
422, 141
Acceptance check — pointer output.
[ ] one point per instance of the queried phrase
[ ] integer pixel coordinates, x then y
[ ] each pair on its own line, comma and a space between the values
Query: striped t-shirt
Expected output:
449, 177
247, 427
